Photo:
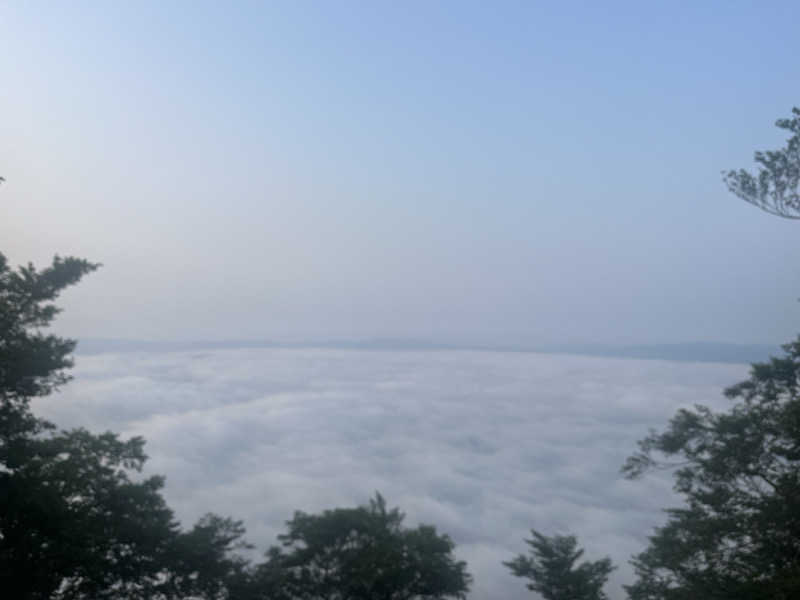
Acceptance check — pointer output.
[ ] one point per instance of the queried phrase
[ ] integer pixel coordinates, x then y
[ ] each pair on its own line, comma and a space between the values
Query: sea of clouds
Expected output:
484, 445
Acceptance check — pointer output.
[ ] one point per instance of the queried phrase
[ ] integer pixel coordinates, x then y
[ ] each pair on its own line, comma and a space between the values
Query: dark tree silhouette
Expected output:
74, 523
775, 187
361, 553
552, 571
738, 534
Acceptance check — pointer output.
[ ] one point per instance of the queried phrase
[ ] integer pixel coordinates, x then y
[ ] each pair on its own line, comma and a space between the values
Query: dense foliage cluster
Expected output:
738, 535
362, 553
552, 571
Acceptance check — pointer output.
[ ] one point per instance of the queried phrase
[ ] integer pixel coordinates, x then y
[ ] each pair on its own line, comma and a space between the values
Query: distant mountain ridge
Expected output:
682, 352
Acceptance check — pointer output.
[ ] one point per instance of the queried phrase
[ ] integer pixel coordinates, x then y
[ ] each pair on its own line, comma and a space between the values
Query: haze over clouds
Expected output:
485, 445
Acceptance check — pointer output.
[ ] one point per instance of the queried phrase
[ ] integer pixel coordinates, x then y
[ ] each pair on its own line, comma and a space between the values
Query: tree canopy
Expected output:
363, 553
774, 188
32, 363
552, 571
738, 534
76, 521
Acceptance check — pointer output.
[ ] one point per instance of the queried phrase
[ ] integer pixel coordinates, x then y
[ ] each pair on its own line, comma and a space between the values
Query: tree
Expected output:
31, 363
738, 535
775, 187
552, 571
74, 522
361, 553
204, 561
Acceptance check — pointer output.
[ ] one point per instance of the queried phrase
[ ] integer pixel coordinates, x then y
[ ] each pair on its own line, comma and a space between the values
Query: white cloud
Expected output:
483, 445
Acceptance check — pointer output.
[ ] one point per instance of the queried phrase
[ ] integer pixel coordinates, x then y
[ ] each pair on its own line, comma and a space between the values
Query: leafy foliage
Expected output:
76, 519
362, 553
204, 561
31, 363
552, 571
775, 187
73, 521
738, 536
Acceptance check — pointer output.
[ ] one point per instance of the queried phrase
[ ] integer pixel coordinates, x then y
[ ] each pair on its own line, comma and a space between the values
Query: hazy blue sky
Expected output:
495, 172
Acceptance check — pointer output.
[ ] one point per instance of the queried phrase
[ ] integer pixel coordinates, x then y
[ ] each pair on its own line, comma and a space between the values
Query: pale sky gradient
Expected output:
492, 172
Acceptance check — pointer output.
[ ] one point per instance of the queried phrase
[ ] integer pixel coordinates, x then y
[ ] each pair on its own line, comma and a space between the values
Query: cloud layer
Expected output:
484, 445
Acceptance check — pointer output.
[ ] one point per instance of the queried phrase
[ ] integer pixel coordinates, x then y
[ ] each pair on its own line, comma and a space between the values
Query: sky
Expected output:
483, 445
453, 171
